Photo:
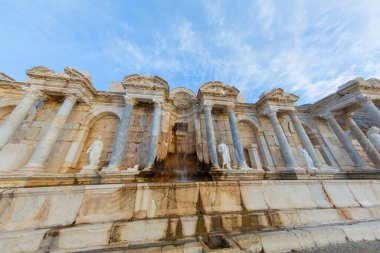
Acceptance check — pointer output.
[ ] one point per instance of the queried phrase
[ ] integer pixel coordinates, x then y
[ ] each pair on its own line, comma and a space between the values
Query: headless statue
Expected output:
94, 152
225, 152
307, 158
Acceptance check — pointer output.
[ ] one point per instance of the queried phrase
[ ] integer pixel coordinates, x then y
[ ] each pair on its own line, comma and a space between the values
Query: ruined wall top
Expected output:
149, 88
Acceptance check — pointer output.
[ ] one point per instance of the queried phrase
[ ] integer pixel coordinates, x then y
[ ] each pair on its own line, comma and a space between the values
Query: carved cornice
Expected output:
218, 89
278, 95
57, 83
140, 82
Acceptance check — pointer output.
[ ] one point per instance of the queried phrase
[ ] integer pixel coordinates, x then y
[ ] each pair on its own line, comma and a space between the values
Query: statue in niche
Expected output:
94, 152
225, 152
374, 136
307, 158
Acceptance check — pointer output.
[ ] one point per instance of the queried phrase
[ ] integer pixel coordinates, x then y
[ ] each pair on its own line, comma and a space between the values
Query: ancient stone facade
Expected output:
104, 150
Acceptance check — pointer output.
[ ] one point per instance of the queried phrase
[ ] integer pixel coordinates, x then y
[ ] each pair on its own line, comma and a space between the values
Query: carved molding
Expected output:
140, 82
278, 95
218, 89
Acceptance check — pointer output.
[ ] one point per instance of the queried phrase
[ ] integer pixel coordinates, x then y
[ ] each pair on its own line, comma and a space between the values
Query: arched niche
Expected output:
103, 124
248, 130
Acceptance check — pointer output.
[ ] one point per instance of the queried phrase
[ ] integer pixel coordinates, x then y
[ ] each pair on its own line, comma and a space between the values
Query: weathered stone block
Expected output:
106, 203
23, 241
252, 195
84, 236
288, 195
323, 236
339, 193
358, 232
281, 241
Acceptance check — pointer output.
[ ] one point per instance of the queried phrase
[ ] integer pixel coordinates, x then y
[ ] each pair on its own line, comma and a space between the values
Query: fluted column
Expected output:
45, 145
364, 142
285, 148
154, 135
211, 143
373, 111
121, 137
305, 139
240, 159
345, 140
14, 120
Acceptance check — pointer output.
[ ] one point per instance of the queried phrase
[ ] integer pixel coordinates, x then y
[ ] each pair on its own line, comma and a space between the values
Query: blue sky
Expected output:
306, 47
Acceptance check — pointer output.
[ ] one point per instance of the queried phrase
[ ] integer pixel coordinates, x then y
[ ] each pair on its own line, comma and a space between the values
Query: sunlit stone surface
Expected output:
158, 184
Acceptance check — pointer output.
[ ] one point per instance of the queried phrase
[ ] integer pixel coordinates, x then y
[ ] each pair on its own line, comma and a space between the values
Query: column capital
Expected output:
347, 116
327, 115
269, 111
71, 96
35, 93
207, 106
130, 100
231, 107
252, 146
293, 112
158, 103
362, 99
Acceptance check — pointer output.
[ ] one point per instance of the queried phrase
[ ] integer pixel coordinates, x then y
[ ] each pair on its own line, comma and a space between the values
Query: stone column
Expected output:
154, 135
254, 157
240, 159
285, 148
305, 139
121, 137
14, 120
373, 111
345, 140
364, 142
211, 143
46, 143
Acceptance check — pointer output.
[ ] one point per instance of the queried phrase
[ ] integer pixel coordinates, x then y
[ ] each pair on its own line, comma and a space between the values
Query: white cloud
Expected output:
306, 48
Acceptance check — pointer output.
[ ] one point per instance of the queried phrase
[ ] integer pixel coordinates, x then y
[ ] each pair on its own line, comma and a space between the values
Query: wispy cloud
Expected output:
306, 47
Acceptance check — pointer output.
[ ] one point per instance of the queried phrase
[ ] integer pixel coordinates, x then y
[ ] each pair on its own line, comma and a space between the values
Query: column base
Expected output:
217, 171
247, 169
295, 170
147, 172
32, 168
88, 170
327, 170
358, 168
148, 168
111, 169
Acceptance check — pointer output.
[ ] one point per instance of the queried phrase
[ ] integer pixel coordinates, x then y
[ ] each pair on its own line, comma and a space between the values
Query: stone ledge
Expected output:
17, 180
297, 239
